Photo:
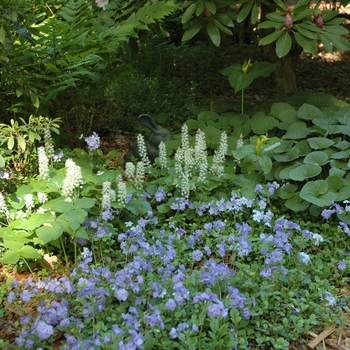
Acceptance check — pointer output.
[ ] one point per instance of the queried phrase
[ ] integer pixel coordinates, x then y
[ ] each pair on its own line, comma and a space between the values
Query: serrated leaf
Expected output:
283, 45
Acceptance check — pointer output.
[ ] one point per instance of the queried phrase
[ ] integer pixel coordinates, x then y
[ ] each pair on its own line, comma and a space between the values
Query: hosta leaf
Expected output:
316, 157
317, 192
319, 142
305, 172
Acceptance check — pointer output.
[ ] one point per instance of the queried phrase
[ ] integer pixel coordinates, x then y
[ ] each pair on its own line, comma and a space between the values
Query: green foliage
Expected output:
178, 247
303, 145
19, 139
69, 56
217, 18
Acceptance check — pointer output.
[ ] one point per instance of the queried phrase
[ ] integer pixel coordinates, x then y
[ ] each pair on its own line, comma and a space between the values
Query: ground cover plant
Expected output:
174, 255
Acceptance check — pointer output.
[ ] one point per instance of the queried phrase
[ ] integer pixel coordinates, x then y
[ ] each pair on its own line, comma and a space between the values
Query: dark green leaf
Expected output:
310, 45
283, 44
244, 12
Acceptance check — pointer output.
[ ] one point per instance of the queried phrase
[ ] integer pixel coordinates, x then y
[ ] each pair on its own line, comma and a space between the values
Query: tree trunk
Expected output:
284, 74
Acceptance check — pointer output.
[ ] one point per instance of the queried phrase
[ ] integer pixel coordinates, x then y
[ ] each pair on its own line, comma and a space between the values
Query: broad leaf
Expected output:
271, 37
317, 192
319, 142
283, 45
297, 130
316, 157
309, 112
305, 172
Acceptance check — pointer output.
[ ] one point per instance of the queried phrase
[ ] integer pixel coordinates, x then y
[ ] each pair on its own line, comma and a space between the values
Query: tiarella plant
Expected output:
173, 255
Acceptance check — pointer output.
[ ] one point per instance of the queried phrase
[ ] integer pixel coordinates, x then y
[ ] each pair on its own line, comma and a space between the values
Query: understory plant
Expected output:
301, 142
169, 256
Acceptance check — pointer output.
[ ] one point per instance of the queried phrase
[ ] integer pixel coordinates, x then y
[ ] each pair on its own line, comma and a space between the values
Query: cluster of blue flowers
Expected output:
165, 268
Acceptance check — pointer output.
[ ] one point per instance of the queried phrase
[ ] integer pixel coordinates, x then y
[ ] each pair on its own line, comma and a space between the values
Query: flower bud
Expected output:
206, 11
319, 20
288, 21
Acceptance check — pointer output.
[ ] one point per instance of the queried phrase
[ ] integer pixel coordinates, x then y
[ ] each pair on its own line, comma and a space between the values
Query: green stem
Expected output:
64, 251
242, 102
25, 261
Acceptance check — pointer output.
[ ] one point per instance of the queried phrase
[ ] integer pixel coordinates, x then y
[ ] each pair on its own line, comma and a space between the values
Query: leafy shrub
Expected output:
303, 145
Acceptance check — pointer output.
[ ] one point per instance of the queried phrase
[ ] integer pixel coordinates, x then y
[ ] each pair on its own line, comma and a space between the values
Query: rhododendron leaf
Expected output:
214, 33
244, 12
271, 37
317, 192
190, 33
307, 44
283, 45
189, 12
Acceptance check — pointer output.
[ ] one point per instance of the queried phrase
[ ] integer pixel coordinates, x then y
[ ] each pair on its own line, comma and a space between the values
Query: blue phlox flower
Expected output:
44, 330
107, 214
170, 304
181, 327
327, 213
258, 188
266, 272
331, 300
208, 226
173, 333
305, 258
207, 250
11, 297
219, 224
121, 294
92, 141
221, 249
342, 265
26, 295
197, 255
160, 195
344, 227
